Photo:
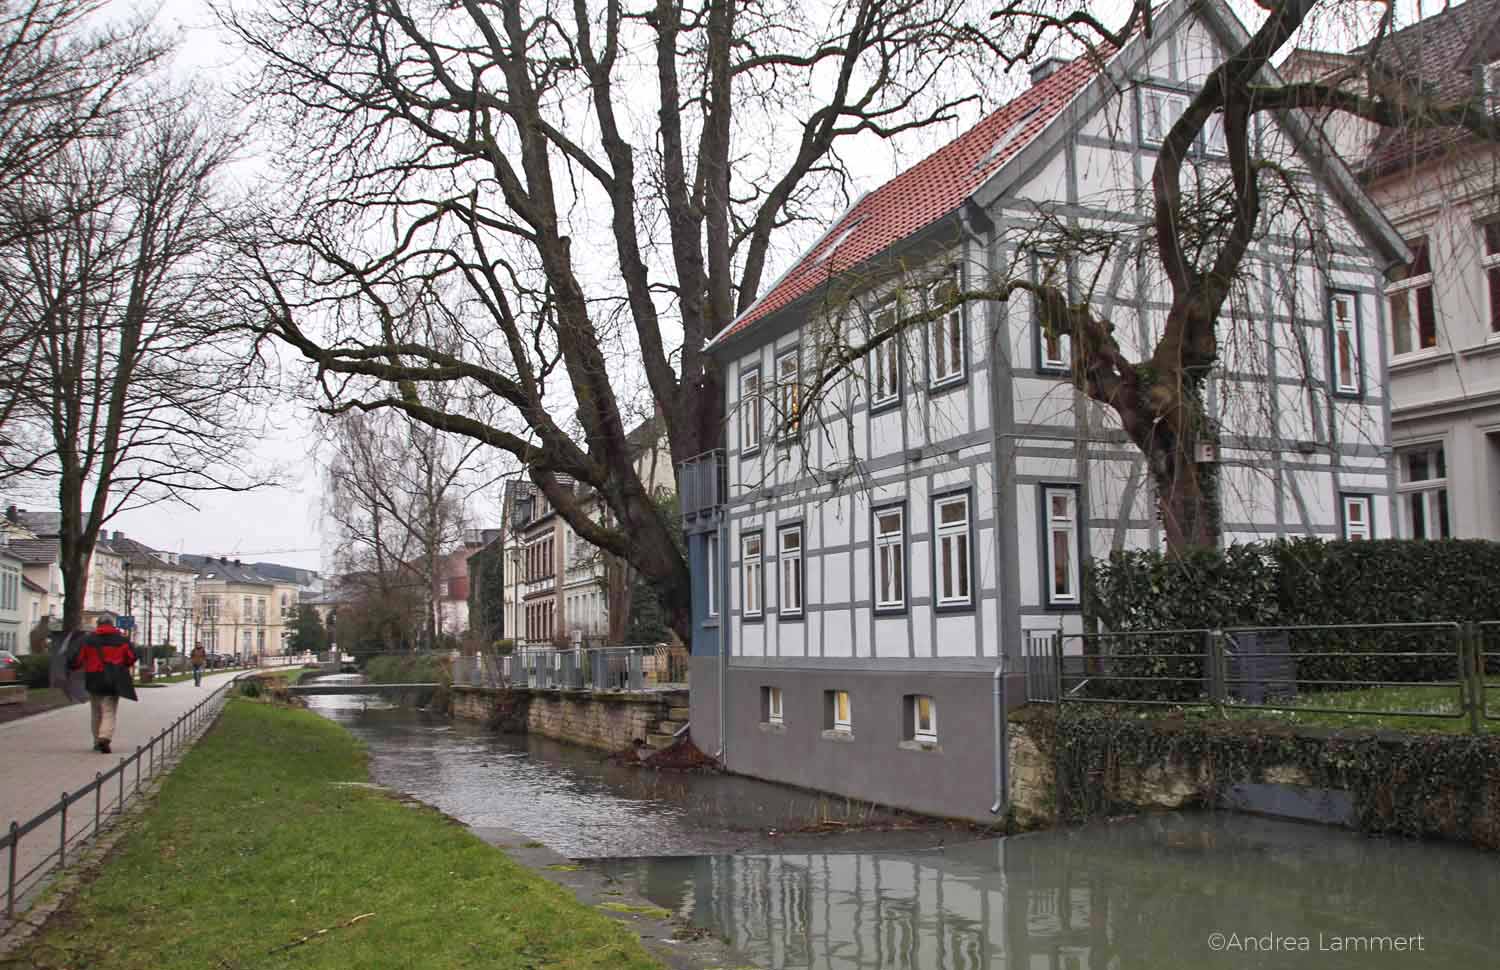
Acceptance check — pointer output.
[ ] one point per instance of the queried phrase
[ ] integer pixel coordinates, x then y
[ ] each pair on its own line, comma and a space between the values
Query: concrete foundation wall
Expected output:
704, 672
954, 778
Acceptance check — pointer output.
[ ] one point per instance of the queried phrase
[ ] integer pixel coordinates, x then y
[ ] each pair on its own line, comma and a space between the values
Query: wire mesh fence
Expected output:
1425, 671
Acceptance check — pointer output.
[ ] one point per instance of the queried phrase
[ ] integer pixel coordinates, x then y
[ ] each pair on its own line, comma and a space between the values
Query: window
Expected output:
838, 715
1054, 351
885, 361
711, 554
1424, 492
890, 559
790, 540
947, 335
1357, 518
1060, 505
921, 718
1159, 112
1492, 86
750, 411
1413, 313
1006, 139
260, 641
1491, 262
788, 392
1215, 140
770, 705
750, 552
952, 517
244, 607
1343, 337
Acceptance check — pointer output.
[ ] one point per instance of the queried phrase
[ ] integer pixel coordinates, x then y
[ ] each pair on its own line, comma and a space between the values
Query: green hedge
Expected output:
1297, 583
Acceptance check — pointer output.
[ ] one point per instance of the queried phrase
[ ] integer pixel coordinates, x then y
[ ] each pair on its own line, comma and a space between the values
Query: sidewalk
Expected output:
46, 754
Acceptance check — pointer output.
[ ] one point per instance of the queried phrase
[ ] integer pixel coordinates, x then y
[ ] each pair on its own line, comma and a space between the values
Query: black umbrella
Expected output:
65, 679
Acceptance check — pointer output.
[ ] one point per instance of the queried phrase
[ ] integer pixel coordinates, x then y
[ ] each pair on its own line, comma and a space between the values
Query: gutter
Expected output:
1002, 741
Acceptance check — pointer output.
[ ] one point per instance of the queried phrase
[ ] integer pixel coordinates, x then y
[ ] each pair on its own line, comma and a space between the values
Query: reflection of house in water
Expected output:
1143, 894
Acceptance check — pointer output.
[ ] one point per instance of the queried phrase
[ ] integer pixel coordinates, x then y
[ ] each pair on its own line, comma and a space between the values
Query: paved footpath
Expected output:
43, 755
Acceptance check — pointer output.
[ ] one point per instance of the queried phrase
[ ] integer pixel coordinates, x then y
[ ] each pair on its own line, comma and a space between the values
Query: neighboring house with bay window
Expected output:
1441, 189
864, 562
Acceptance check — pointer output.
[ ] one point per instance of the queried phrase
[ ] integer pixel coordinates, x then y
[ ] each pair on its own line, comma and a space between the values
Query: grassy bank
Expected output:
262, 837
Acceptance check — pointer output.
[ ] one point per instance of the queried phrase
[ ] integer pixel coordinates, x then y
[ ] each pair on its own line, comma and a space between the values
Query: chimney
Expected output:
12, 513
119, 536
1044, 69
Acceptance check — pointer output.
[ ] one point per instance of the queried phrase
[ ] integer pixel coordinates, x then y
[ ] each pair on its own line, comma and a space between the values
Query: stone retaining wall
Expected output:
606, 721
1361, 780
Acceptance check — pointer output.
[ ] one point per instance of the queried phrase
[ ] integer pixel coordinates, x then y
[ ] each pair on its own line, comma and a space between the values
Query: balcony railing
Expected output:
703, 484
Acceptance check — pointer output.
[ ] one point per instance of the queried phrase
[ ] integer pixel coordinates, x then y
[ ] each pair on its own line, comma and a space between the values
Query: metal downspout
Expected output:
723, 574
1002, 742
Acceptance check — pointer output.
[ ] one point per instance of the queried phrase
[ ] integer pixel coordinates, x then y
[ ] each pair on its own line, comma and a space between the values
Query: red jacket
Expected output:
106, 645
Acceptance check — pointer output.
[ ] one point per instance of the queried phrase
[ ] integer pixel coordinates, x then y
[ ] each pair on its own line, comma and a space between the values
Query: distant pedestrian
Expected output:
199, 658
105, 659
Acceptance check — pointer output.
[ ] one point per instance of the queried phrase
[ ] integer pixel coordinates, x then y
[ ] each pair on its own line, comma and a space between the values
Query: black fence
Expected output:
78, 817
1353, 669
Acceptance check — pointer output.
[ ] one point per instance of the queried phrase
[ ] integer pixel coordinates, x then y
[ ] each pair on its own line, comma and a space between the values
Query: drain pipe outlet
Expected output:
1002, 739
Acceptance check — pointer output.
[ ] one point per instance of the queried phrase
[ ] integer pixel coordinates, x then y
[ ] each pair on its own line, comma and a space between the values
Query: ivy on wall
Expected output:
1417, 785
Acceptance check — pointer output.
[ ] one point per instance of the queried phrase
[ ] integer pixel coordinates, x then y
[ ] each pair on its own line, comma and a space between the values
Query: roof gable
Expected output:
924, 193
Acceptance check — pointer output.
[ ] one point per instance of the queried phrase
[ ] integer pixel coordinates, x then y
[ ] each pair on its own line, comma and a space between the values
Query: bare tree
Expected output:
604, 187
396, 495
140, 375
1203, 226
65, 78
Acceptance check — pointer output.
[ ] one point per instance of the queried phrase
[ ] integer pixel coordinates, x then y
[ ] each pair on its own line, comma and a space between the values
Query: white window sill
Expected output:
920, 746
838, 734
772, 727
1417, 358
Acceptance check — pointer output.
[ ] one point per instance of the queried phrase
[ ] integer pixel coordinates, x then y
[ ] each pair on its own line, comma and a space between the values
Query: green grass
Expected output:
1437, 700
188, 675
253, 844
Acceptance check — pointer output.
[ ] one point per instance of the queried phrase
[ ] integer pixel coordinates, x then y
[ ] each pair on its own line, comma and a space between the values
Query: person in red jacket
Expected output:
105, 659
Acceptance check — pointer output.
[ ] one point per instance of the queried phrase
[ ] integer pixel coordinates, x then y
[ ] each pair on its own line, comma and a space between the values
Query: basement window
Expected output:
838, 716
920, 715
770, 705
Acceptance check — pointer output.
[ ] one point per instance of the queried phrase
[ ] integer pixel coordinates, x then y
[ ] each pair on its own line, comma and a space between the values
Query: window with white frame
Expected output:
890, 558
1424, 491
1159, 112
840, 713
751, 562
770, 698
788, 392
1215, 140
1054, 351
750, 410
789, 540
921, 717
885, 361
1357, 516
1413, 311
946, 343
951, 514
1060, 504
1491, 263
711, 555
1343, 336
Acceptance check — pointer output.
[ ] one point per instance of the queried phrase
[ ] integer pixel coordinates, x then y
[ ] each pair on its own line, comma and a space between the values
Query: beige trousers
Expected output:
103, 707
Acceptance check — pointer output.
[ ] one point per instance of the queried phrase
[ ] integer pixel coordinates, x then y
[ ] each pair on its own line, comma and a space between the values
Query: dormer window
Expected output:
838, 241
1007, 138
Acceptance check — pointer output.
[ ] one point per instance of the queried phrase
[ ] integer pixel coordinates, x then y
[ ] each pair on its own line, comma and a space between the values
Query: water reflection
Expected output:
582, 805
1145, 893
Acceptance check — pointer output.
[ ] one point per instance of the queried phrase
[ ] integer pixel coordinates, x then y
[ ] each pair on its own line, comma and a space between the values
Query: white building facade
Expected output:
872, 559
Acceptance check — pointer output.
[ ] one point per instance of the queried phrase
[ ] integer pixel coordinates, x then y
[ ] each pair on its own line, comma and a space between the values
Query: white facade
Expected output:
13, 631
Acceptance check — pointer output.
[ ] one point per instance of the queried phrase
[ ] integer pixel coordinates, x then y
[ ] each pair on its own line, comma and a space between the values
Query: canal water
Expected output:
1155, 892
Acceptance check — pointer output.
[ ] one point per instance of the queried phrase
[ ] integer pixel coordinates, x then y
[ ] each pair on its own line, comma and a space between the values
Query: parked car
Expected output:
8, 659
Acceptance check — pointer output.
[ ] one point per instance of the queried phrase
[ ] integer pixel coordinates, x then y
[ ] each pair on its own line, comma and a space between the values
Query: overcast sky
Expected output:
281, 523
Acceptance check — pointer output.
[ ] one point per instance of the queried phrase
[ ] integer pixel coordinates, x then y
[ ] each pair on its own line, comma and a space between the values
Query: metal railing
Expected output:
1342, 669
702, 483
102, 799
635, 668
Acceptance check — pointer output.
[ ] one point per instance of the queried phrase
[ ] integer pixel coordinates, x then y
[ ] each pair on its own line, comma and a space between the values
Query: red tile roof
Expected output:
924, 193
1441, 52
